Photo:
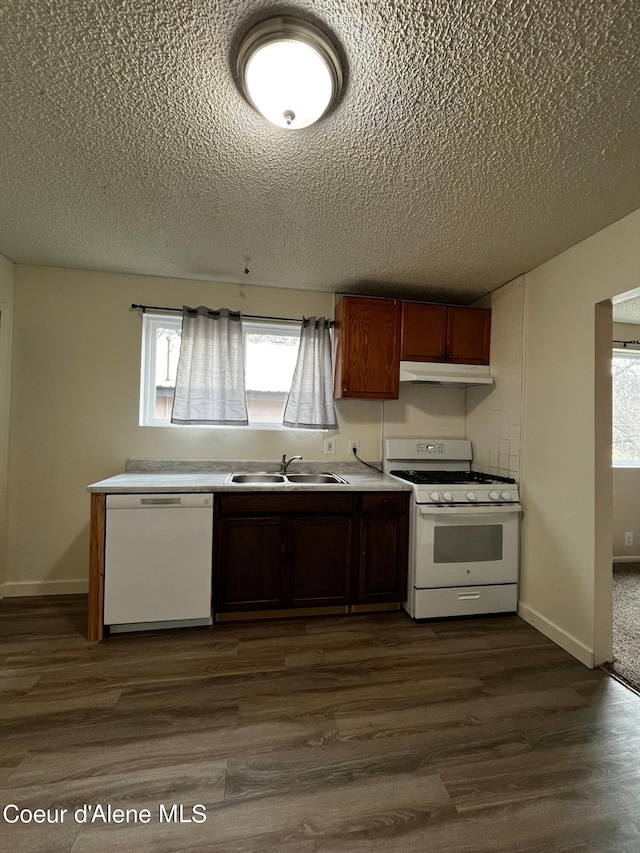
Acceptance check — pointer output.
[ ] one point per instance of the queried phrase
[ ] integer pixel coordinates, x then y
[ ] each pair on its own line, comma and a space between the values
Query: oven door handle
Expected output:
467, 509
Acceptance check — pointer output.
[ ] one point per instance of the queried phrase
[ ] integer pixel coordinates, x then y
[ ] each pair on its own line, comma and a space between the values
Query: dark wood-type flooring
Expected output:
365, 733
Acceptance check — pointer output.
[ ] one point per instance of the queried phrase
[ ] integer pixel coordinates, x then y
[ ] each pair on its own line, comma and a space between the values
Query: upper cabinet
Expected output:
442, 333
424, 332
367, 348
372, 336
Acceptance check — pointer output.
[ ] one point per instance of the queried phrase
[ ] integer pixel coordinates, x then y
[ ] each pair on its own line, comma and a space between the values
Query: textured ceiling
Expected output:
627, 310
473, 141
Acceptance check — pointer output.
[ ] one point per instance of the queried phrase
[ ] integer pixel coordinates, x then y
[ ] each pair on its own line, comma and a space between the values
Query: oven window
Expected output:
467, 543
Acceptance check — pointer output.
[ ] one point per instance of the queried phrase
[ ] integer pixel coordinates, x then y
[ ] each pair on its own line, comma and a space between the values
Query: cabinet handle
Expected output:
345, 389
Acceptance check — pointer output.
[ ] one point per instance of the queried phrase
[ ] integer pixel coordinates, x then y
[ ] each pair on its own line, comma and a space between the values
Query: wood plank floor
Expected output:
363, 733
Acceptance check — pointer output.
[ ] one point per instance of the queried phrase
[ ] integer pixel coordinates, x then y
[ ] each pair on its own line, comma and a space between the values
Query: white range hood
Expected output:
453, 375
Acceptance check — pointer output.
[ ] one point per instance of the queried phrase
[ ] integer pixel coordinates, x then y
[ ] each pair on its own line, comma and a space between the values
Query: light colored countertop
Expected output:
146, 476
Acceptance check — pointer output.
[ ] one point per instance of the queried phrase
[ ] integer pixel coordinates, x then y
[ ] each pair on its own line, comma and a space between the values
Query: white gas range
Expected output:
464, 530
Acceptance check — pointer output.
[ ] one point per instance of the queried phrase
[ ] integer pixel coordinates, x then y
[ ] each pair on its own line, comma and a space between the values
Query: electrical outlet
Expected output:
628, 538
329, 446
354, 446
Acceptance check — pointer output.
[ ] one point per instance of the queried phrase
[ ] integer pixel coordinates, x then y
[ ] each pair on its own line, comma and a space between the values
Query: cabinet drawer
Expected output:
394, 501
318, 502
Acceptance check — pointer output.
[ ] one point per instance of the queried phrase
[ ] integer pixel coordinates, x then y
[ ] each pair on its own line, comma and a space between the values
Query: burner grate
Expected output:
445, 478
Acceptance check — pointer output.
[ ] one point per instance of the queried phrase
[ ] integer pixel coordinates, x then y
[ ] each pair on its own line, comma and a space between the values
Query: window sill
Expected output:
249, 427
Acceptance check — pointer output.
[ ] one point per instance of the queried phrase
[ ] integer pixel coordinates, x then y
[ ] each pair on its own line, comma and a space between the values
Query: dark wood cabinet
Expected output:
276, 552
320, 560
283, 551
424, 332
253, 555
468, 335
443, 333
372, 336
383, 563
367, 348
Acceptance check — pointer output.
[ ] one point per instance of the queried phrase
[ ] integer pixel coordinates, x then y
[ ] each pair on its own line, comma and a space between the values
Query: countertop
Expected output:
146, 476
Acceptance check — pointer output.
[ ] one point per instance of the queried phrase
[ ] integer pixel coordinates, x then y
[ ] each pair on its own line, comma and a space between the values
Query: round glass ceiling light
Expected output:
289, 71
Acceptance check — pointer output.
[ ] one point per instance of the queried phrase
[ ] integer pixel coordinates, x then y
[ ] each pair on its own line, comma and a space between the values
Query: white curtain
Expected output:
310, 402
210, 380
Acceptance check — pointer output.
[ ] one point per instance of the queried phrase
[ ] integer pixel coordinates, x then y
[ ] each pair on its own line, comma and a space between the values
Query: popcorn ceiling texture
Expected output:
473, 141
627, 311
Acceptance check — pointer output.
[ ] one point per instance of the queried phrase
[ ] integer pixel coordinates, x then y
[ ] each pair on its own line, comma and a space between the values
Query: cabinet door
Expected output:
367, 336
424, 332
320, 560
468, 335
251, 563
384, 541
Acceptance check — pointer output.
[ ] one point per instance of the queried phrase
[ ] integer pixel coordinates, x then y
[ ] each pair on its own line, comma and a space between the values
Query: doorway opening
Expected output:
625, 470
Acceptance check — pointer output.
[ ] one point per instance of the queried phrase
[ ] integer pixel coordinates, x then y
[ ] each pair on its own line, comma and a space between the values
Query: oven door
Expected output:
465, 546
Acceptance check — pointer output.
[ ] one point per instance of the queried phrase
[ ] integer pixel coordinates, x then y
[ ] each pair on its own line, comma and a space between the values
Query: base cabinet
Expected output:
294, 551
383, 560
320, 569
283, 551
251, 561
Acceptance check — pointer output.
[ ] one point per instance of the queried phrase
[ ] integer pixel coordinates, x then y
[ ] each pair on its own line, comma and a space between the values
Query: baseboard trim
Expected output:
627, 559
18, 589
559, 636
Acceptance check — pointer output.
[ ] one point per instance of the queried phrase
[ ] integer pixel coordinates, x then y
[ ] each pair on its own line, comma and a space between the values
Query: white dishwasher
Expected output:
158, 561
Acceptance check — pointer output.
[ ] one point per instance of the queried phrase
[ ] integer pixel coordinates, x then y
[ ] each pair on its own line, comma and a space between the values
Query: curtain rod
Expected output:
144, 308
624, 343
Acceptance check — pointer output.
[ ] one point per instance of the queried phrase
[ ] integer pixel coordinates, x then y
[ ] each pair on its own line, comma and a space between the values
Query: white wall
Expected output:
626, 513
494, 414
6, 322
74, 417
424, 410
566, 445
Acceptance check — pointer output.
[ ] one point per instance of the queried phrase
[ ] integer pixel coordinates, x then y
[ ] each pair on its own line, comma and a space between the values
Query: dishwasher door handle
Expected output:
168, 500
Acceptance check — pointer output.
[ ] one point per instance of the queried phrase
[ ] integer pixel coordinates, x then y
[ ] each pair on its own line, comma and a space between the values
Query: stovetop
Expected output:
439, 470
447, 478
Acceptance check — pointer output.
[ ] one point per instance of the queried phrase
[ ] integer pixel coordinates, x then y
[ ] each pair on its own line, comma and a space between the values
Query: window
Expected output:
626, 408
270, 353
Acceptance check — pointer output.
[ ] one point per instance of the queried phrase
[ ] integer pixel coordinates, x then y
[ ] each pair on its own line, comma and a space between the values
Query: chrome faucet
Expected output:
286, 462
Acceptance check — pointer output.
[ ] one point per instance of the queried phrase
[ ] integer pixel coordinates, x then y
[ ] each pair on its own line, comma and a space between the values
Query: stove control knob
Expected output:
447, 496
506, 496
471, 496
494, 496
435, 496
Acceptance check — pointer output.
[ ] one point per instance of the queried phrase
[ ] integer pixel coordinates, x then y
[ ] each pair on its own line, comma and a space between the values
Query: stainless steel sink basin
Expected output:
315, 479
264, 478
256, 478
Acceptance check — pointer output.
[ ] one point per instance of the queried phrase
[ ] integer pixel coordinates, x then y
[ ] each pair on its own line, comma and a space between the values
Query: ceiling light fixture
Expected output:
289, 71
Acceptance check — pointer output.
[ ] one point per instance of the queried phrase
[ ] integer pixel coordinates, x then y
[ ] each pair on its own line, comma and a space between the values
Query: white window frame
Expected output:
150, 324
632, 354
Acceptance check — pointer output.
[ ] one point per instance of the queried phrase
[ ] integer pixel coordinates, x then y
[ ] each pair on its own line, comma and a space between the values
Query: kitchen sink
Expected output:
293, 479
314, 479
256, 478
